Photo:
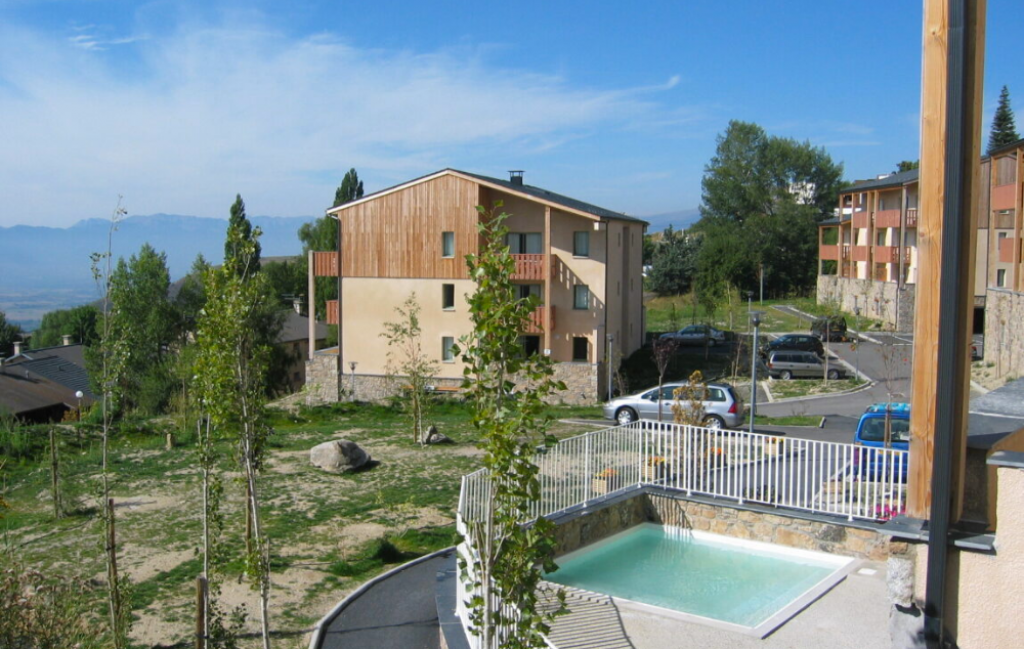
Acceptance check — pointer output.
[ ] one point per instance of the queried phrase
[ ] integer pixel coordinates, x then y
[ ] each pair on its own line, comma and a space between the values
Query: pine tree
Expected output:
1004, 131
350, 189
244, 260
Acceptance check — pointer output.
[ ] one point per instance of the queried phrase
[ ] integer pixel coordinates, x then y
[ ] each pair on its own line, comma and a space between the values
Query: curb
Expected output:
317, 638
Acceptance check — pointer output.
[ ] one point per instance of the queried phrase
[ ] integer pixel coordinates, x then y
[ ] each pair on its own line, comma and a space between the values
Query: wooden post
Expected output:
54, 477
311, 306
937, 266
547, 279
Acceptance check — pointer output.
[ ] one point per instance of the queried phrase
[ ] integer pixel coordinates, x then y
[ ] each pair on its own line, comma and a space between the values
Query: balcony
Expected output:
861, 219
887, 254
828, 252
1004, 197
860, 253
536, 323
1006, 246
531, 267
912, 218
887, 219
332, 312
325, 264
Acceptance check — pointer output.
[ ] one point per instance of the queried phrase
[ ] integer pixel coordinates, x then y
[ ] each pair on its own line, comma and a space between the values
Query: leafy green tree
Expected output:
231, 376
322, 236
190, 300
674, 263
287, 280
511, 555
242, 259
406, 359
80, 323
759, 194
907, 165
350, 189
1004, 128
9, 333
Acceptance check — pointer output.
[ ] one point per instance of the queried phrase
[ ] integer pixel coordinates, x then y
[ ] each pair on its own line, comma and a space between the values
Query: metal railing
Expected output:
824, 477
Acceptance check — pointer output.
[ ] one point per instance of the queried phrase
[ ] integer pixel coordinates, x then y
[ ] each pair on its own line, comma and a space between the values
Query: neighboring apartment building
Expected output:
867, 257
583, 262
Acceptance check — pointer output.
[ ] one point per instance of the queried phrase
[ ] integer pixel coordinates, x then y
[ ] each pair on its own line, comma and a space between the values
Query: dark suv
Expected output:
799, 342
833, 327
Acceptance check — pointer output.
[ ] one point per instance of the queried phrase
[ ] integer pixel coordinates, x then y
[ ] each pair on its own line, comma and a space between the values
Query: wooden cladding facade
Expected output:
400, 234
325, 264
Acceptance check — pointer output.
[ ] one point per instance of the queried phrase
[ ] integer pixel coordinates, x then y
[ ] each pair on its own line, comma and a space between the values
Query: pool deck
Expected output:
854, 614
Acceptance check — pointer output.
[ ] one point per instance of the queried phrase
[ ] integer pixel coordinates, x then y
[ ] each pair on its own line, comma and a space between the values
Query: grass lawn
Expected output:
673, 313
328, 533
807, 387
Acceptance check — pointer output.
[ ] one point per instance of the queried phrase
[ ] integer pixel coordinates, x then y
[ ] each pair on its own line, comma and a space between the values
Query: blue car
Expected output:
874, 459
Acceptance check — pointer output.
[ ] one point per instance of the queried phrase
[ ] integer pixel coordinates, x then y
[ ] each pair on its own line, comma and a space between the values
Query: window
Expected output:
580, 349
447, 244
581, 244
1001, 277
525, 243
530, 345
447, 353
525, 291
448, 296
581, 297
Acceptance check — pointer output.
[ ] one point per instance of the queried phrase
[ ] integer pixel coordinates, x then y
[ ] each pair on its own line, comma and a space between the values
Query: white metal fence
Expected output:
823, 477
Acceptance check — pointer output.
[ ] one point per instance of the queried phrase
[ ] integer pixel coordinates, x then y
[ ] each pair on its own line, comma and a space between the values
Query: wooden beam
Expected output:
950, 151
311, 309
548, 321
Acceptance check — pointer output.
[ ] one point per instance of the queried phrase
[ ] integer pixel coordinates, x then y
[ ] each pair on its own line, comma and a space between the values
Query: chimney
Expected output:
65, 339
515, 176
17, 347
297, 305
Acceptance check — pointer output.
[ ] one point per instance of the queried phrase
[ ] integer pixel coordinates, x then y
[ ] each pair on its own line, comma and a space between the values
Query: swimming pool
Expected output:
746, 586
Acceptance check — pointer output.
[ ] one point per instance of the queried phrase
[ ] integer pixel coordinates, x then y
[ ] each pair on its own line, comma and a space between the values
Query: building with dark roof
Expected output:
40, 385
581, 260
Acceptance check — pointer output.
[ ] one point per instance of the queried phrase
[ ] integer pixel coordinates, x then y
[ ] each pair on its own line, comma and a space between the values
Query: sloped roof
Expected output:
22, 391
892, 180
528, 191
296, 327
64, 365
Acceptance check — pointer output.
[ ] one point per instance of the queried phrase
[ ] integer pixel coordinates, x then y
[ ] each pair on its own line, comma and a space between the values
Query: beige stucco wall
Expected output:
877, 300
370, 302
990, 598
1004, 333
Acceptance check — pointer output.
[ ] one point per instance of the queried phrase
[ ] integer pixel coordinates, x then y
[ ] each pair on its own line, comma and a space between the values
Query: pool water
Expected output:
735, 581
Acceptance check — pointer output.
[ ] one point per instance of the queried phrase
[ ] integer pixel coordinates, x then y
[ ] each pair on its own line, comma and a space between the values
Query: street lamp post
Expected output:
611, 343
750, 298
755, 319
352, 366
78, 395
856, 312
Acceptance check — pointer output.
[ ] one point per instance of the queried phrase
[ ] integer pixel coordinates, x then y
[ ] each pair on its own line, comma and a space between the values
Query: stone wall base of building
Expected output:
1004, 335
582, 381
884, 301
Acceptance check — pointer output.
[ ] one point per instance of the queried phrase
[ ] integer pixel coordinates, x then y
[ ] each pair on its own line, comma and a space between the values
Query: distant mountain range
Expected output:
43, 268
679, 220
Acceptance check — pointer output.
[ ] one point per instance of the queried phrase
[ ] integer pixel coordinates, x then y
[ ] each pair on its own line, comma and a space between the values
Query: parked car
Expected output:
831, 327
787, 365
723, 407
794, 342
697, 334
876, 458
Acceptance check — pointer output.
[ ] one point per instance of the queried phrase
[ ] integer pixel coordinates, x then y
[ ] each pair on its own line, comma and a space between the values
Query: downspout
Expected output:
341, 364
961, 52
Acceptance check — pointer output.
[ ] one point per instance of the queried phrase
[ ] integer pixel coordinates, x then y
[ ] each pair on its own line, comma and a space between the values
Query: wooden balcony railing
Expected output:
887, 219
1006, 246
912, 217
861, 219
536, 323
531, 267
332, 312
325, 264
1004, 197
886, 254
860, 253
828, 252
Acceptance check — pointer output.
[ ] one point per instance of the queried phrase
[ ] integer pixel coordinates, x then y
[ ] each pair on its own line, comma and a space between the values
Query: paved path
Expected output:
398, 612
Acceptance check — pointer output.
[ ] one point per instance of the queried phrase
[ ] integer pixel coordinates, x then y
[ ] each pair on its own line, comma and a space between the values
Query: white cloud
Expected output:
182, 123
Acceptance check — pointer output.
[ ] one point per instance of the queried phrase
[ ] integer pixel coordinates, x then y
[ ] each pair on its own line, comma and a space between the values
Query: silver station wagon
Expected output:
723, 408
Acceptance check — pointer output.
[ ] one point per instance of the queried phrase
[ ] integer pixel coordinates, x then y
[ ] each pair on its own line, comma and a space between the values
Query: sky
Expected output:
179, 105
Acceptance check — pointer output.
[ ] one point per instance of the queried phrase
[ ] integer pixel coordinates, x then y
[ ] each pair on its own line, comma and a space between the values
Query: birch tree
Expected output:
231, 370
407, 359
511, 553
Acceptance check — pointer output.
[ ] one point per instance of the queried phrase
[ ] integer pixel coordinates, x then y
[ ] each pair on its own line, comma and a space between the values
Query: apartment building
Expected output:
867, 254
582, 261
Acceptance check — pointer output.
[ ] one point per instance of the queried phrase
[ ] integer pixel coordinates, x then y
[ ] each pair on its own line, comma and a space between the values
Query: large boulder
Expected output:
338, 456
